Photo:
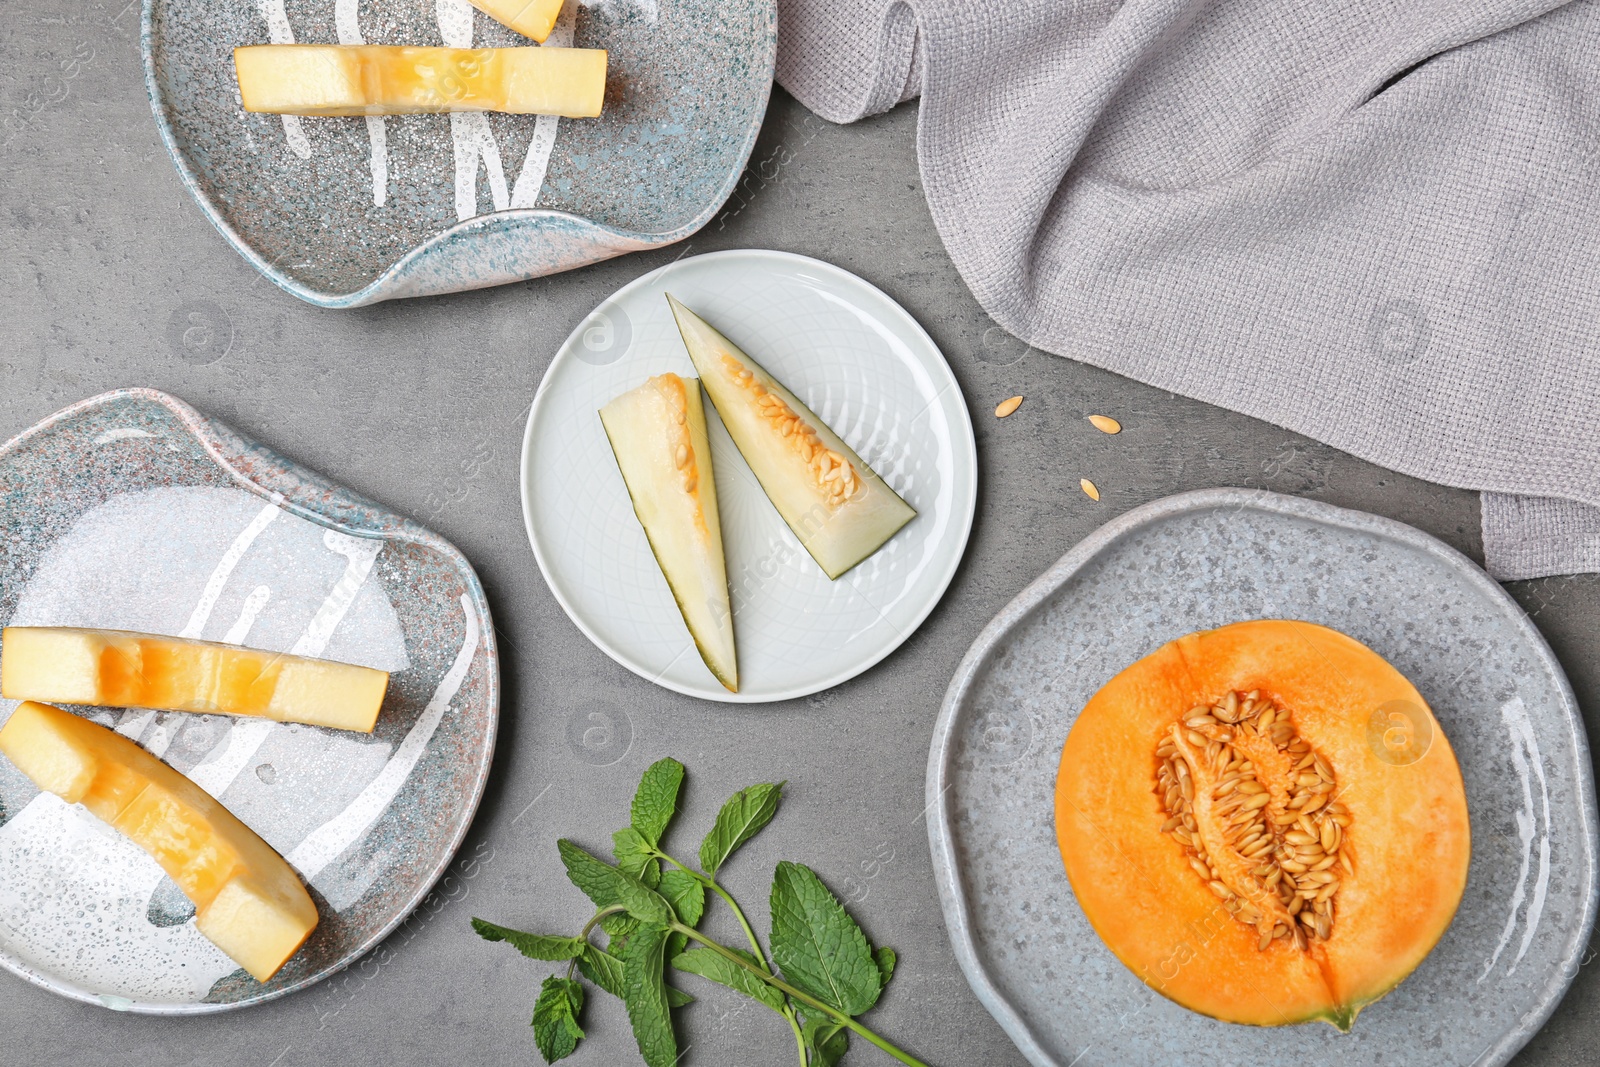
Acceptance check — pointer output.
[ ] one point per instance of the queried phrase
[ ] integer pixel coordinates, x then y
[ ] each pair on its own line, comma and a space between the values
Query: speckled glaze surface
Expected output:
132, 510
1201, 560
343, 212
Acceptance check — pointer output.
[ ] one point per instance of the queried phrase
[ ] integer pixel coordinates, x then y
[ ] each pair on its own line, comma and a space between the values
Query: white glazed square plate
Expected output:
858, 360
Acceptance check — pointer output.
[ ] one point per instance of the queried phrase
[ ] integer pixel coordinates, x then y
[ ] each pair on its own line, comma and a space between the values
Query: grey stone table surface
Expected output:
110, 276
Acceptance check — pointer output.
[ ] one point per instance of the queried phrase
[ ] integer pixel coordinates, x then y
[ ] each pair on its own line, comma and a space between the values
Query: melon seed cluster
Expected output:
1254, 808
834, 474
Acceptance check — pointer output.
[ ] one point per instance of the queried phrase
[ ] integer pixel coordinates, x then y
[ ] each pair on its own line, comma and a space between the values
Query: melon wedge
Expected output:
837, 506
658, 434
531, 18
124, 669
248, 901
330, 79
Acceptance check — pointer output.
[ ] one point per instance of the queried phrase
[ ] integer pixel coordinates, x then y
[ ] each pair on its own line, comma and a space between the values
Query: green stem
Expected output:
755, 944
804, 998
583, 935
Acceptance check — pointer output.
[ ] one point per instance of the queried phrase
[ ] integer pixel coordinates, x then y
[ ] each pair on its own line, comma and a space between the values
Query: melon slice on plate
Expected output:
837, 506
531, 18
332, 79
248, 901
124, 669
658, 433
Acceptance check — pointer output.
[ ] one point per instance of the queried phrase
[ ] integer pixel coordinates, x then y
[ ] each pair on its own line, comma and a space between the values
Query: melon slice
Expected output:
658, 433
248, 901
123, 669
837, 506
1265, 822
331, 79
531, 18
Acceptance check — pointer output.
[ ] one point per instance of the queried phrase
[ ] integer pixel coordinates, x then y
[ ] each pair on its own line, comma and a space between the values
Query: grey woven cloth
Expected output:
1377, 224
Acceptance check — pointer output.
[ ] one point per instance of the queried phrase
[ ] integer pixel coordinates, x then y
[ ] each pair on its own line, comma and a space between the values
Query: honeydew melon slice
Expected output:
125, 669
248, 901
376, 79
658, 434
836, 504
531, 18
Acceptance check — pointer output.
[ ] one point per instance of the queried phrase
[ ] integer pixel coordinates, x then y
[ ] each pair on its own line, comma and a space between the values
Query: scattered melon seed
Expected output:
1007, 407
1105, 424
1089, 488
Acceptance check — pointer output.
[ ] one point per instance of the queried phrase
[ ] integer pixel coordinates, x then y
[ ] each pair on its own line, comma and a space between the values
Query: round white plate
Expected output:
863, 365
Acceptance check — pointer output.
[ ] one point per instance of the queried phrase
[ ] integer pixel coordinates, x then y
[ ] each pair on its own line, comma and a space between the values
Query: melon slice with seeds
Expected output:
836, 504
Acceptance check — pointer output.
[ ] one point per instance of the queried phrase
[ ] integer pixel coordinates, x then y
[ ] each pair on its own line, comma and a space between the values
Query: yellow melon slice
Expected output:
531, 18
248, 901
123, 669
330, 79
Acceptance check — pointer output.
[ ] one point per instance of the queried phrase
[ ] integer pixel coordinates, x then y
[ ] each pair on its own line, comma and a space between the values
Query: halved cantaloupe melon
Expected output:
531, 18
124, 669
331, 79
248, 901
658, 434
1243, 837
837, 506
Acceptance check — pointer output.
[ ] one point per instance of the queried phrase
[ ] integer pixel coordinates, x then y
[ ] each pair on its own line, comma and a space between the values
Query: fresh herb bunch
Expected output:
822, 974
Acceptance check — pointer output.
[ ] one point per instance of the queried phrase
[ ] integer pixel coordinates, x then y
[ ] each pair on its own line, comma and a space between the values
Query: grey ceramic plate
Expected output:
133, 511
349, 211
1200, 560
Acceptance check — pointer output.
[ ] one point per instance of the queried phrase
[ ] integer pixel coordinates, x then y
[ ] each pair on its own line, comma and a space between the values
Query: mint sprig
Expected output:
823, 971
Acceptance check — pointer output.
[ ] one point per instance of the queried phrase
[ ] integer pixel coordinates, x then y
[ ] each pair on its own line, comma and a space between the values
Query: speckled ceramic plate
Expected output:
349, 211
862, 364
1200, 560
133, 511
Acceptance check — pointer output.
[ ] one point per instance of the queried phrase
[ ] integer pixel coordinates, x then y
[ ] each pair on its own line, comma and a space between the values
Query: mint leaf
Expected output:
885, 958
608, 886
635, 856
644, 990
642, 902
602, 968
719, 969
677, 998
740, 819
685, 893
826, 1040
533, 946
816, 943
597, 878
656, 800
618, 925
555, 1018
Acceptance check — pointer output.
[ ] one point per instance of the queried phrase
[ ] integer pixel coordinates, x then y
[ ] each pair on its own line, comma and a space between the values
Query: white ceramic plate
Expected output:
863, 365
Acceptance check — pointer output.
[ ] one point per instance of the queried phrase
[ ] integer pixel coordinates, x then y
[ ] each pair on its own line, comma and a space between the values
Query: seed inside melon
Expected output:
837, 506
1242, 839
658, 434
248, 900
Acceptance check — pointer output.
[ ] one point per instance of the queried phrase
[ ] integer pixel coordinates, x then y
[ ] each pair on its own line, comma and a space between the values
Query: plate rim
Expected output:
389, 283
969, 455
218, 440
958, 910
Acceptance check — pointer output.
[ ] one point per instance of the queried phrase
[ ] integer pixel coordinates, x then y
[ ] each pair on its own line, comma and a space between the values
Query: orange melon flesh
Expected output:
248, 901
1409, 835
330, 79
531, 18
124, 669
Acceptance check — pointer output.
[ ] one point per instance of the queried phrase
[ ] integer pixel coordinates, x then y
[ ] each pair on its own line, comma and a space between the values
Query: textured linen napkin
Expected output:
1375, 223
